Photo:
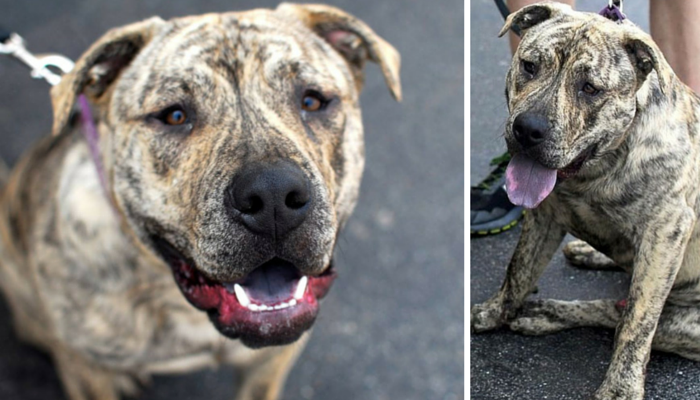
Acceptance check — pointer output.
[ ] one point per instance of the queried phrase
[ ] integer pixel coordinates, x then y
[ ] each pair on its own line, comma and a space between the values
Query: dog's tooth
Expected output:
253, 307
241, 295
292, 302
301, 288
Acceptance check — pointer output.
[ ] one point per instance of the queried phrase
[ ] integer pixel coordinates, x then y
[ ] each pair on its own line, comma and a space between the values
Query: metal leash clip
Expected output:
13, 45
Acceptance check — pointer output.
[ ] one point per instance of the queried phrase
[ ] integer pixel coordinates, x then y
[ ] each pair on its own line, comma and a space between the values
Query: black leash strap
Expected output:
503, 8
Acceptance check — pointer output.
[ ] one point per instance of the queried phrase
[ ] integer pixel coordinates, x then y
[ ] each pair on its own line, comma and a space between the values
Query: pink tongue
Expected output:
528, 182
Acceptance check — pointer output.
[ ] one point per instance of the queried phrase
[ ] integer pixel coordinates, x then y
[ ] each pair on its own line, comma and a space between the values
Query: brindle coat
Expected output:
77, 266
634, 201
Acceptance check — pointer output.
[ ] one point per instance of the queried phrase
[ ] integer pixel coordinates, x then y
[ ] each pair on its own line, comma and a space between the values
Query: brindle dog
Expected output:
596, 109
231, 148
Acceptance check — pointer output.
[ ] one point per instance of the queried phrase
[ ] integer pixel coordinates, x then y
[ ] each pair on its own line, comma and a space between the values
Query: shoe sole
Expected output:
506, 222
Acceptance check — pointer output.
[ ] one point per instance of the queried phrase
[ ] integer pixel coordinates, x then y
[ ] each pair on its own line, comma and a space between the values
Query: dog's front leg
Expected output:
539, 240
658, 259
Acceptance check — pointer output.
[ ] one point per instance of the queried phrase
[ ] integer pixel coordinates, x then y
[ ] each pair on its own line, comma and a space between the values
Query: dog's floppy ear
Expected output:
352, 38
99, 66
529, 16
646, 57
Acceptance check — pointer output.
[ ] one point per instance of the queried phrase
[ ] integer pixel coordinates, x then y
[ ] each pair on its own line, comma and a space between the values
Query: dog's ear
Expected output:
529, 16
646, 57
99, 66
352, 38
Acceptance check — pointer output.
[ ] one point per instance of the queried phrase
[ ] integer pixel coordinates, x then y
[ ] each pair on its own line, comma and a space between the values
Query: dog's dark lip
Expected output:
575, 166
275, 311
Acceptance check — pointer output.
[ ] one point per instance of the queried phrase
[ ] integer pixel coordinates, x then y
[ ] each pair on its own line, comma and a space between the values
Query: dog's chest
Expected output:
609, 230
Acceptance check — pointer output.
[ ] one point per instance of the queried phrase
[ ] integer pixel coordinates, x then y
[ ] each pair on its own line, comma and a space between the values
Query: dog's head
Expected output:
233, 149
575, 85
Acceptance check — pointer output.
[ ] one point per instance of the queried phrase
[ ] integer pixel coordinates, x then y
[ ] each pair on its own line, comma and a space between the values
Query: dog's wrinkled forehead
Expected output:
311, 44
558, 39
583, 48
255, 51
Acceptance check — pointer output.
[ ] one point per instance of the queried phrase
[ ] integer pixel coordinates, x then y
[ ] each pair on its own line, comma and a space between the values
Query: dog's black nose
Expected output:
530, 129
270, 199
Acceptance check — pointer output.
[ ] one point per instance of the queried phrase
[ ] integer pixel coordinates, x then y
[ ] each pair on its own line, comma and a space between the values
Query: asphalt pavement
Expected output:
562, 366
392, 327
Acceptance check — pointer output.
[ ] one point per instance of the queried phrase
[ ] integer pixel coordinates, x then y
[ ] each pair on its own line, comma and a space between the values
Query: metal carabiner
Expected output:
14, 46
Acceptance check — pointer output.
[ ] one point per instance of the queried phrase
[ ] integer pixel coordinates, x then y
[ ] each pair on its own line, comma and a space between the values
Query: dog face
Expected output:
234, 146
575, 84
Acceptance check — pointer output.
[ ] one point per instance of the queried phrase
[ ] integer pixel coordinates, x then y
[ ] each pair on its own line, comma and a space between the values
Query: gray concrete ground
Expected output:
392, 327
568, 365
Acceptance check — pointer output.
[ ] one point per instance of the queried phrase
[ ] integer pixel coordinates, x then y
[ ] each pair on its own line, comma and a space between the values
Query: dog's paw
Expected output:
486, 316
617, 396
615, 392
537, 318
582, 255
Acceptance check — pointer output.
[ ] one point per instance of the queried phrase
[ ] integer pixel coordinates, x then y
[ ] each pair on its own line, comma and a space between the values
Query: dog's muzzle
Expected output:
274, 302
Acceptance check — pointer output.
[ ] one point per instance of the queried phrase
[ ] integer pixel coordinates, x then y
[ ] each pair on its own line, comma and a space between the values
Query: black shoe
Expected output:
491, 211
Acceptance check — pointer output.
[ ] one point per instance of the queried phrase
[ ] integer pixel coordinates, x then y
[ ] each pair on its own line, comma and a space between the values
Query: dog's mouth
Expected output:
575, 166
273, 305
528, 182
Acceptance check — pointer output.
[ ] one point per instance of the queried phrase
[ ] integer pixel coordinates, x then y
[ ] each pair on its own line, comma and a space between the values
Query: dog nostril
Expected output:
295, 200
253, 206
536, 135
517, 133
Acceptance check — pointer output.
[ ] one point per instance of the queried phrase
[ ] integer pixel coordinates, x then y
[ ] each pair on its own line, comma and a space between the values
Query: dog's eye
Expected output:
313, 101
175, 116
589, 89
529, 68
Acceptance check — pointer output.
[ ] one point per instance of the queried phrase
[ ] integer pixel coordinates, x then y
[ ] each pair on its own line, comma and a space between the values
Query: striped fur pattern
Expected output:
4, 174
79, 270
634, 201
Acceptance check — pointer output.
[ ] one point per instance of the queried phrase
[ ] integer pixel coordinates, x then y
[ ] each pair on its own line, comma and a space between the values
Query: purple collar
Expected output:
90, 133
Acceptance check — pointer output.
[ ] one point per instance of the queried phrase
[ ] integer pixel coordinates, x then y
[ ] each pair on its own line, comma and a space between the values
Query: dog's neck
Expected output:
83, 206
